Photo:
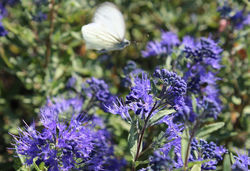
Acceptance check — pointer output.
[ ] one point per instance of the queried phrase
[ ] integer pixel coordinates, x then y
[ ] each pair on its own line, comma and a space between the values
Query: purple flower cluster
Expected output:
174, 87
141, 97
237, 18
98, 91
242, 162
59, 108
200, 150
71, 82
71, 142
204, 50
169, 40
205, 55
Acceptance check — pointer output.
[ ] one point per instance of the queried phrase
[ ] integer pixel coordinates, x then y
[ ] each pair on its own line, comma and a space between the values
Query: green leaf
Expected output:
168, 65
184, 144
194, 103
226, 163
5, 58
159, 140
196, 167
207, 129
191, 164
232, 157
137, 163
158, 116
59, 72
35, 165
132, 139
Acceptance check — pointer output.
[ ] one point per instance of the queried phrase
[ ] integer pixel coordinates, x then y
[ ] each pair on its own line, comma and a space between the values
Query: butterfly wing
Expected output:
98, 37
109, 16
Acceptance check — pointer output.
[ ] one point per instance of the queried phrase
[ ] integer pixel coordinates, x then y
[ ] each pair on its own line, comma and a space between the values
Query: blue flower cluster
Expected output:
200, 150
242, 162
71, 82
66, 142
200, 75
169, 40
98, 91
237, 18
3, 12
141, 97
203, 57
174, 87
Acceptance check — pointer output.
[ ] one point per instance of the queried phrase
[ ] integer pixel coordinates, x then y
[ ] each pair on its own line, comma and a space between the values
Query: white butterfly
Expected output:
107, 31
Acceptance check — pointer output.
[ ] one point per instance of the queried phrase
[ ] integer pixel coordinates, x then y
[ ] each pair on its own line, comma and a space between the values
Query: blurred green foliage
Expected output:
29, 73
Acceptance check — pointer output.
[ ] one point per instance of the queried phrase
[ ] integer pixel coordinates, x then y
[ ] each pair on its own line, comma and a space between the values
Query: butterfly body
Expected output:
107, 31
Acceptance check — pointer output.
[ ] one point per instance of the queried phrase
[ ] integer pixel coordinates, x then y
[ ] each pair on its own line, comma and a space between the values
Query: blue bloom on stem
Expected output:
242, 162
205, 49
188, 41
202, 150
140, 99
174, 87
71, 82
165, 47
169, 40
154, 48
239, 19
98, 91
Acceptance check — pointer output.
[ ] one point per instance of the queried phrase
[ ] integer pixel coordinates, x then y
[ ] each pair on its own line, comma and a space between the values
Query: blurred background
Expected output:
44, 48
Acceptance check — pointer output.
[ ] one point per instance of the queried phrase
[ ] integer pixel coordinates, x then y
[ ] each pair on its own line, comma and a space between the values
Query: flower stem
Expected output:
189, 146
142, 134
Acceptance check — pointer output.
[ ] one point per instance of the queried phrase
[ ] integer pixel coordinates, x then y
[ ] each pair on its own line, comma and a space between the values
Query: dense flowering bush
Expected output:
179, 103
68, 139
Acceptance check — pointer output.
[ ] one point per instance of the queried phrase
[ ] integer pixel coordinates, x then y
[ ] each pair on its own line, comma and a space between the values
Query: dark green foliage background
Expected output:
25, 81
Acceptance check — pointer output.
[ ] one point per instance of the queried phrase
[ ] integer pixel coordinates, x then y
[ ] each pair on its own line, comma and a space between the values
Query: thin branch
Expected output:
49, 41
143, 131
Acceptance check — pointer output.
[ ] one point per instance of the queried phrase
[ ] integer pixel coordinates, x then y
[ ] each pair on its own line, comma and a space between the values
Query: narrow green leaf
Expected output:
184, 144
168, 65
137, 163
132, 139
158, 116
207, 129
226, 163
191, 164
5, 58
232, 158
59, 72
194, 103
196, 167
35, 165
